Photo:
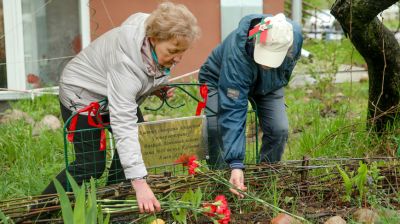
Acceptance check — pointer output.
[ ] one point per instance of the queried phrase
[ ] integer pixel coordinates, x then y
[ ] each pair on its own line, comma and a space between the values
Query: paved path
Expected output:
345, 74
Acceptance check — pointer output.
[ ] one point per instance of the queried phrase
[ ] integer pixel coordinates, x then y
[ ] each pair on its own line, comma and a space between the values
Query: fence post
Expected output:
296, 11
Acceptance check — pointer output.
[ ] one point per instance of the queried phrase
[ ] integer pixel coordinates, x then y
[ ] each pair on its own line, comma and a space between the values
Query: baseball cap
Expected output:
274, 38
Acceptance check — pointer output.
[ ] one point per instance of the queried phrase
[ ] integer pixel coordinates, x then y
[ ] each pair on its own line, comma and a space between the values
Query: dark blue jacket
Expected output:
232, 69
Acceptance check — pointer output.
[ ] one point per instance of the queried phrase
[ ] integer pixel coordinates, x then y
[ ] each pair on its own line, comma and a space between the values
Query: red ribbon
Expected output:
203, 94
92, 110
263, 32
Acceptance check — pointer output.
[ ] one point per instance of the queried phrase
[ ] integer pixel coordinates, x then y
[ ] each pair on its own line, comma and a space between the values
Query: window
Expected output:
37, 39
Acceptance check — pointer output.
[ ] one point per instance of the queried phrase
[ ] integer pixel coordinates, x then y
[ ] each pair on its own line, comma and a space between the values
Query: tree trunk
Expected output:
380, 50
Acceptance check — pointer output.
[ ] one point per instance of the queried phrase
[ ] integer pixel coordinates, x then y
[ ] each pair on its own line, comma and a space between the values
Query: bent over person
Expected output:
124, 65
255, 60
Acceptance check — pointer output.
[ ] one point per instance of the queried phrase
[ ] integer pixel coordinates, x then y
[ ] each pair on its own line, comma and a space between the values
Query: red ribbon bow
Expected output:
203, 94
92, 110
262, 30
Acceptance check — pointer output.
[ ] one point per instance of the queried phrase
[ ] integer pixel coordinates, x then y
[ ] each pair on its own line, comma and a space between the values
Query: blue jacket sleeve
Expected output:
210, 70
233, 90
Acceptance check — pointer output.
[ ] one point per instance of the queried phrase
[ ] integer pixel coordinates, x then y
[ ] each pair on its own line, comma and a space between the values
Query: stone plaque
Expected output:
164, 142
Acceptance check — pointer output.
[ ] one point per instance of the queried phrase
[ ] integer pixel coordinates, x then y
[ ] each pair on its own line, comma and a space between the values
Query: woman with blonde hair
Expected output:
124, 65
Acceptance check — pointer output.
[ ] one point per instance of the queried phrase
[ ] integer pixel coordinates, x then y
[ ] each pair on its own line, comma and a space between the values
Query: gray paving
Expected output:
346, 73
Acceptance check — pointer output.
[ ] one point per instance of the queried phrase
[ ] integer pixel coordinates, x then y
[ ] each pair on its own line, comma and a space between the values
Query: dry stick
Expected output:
384, 68
184, 75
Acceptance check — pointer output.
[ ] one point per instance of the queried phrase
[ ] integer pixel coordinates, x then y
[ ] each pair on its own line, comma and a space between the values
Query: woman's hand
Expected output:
146, 200
164, 93
237, 180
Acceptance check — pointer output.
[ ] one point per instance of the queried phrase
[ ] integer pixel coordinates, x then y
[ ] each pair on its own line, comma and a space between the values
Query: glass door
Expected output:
51, 37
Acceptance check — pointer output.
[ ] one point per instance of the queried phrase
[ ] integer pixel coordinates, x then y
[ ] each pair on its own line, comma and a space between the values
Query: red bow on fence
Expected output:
92, 110
203, 94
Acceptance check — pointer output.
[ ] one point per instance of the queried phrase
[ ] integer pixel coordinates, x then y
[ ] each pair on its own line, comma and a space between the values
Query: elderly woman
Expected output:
124, 65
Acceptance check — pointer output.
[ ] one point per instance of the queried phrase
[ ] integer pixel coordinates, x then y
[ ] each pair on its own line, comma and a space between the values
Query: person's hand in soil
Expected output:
146, 200
237, 180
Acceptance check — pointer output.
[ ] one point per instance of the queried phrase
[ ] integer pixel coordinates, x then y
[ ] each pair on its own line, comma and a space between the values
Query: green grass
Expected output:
28, 162
341, 132
333, 52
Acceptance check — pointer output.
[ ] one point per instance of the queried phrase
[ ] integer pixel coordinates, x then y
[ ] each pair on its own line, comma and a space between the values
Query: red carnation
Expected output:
220, 208
227, 217
192, 164
210, 209
184, 159
189, 161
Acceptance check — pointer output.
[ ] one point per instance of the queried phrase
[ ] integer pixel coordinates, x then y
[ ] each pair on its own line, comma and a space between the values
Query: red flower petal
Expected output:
221, 198
223, 209
227, 217
184, 159
212, 208
192, 164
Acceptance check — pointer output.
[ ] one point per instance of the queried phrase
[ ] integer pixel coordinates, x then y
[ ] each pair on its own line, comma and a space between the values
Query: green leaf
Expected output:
186, 197
174, 214
348, 183
361, 179
79, 208
4, 218
196, 201
75, 187
89, 211
179, 215
66, 209
93, 202
197, 196
99, 215
107, 220
183, 215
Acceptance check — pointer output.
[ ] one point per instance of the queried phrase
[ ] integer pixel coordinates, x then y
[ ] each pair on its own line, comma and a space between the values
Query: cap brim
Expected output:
271, 59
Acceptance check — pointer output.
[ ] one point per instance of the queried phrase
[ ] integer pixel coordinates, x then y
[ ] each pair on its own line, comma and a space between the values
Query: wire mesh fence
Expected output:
92, 152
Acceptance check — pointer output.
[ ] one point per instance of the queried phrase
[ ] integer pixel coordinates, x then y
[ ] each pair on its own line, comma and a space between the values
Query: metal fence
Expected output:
103, 163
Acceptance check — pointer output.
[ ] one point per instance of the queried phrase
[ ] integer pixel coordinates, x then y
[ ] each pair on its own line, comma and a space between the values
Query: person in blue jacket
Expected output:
255, 60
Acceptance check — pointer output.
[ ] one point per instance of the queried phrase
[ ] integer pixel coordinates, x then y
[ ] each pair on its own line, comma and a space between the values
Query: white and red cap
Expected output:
274, 38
